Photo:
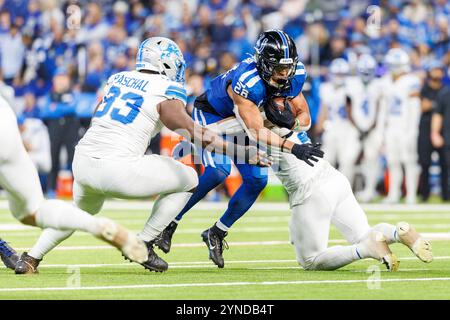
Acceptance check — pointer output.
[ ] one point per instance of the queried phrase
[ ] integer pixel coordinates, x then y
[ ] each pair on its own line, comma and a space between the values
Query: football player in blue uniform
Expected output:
8, 255
274, 70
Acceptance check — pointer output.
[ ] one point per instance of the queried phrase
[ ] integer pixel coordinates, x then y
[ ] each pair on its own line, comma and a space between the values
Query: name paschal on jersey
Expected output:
246, 82
127, 118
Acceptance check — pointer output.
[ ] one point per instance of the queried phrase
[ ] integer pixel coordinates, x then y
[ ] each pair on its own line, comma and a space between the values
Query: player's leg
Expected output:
254, 179
310, 226
412, 170
351, 221
329, 146
19, 177
444, 174
395, 170
217, 169
425, 149
371, 167
8, 255
62, 219
349, 148
50, 238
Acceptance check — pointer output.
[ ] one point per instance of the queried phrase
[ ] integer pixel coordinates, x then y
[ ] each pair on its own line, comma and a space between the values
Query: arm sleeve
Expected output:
175, 91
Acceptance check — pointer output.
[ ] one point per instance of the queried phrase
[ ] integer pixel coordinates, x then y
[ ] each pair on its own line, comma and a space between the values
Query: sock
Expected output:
48, 240
388, 230
219, 225
242, 200
210, 179
164, 211
372, 171
59, 215
333, 258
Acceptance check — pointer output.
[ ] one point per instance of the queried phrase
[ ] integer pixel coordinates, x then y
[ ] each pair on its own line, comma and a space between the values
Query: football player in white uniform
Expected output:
320, 196
402, 126
110, 159
340, 137
367, 108
19, 177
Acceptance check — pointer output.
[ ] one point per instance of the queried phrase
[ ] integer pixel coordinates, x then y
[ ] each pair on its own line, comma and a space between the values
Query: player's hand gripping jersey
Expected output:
127, 117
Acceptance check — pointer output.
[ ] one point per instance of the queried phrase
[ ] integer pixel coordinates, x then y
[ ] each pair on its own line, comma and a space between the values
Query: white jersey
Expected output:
366, 99
401, 114
333, 98
127, 117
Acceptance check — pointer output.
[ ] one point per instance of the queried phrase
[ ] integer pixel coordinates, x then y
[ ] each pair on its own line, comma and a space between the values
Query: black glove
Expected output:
283, 119
307, 152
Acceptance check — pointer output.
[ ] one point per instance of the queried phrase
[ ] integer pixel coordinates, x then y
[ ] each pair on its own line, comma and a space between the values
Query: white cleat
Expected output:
127, 242
378, 249
412, 239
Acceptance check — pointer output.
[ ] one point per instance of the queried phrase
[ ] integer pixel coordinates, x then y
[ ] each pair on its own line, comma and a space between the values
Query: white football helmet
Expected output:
397, 61
163, 56
366, 66
339, 69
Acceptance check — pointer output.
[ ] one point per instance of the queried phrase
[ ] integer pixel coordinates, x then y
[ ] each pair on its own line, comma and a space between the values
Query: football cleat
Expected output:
27, 264
153, 262
378, 249
164, 240
215, 243
8, 255
412, 239
131, 246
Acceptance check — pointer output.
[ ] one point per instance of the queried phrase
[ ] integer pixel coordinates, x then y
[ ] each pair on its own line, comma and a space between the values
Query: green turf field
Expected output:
260, 263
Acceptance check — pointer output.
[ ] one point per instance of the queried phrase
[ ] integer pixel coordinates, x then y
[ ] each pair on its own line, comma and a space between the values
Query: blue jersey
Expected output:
246, 82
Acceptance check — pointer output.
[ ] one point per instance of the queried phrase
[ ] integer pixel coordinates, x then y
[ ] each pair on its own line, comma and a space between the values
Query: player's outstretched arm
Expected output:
251, 120
174, 116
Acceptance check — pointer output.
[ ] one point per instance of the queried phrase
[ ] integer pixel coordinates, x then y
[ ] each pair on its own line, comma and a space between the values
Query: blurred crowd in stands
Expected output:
56, 55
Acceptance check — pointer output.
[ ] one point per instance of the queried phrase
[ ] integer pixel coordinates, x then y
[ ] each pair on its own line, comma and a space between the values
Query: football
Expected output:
279, 102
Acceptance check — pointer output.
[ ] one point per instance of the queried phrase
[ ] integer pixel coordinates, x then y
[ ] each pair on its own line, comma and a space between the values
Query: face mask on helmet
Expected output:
280, 75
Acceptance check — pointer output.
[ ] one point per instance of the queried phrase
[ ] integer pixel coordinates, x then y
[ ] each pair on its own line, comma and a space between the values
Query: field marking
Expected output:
178, 245
262, 206
435, 236
223, 284
208, 264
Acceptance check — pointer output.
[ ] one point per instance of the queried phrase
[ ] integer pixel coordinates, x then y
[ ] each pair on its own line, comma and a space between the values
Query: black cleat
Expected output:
215, 243
154, 262
164, 241
27, 264
8, 255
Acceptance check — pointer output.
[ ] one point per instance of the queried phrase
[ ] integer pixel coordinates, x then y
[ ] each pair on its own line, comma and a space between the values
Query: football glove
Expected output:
307, 152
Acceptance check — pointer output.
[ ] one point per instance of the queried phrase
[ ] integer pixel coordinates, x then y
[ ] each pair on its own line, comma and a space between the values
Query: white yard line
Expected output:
222, 284
430, 236
209, 264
